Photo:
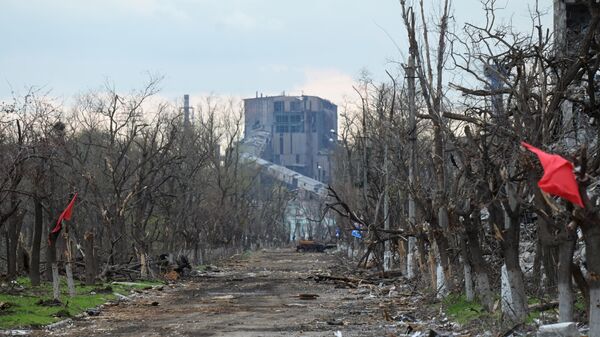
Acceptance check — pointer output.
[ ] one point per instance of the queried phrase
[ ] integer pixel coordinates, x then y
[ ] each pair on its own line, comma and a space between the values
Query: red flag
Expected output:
558, 178
65, 215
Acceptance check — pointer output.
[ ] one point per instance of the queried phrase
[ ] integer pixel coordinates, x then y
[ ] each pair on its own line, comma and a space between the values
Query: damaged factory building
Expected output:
291, 139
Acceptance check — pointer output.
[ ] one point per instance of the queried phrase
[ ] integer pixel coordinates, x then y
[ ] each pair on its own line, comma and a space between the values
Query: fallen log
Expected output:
544, 306
348, 280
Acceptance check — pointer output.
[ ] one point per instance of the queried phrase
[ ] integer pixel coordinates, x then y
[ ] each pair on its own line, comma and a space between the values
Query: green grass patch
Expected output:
580, 304
201, 267
532, 316
463, 311
25, 310
246, 255
533, 300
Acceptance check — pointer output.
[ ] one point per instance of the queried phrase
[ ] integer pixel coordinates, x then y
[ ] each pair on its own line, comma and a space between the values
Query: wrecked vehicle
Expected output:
313, 246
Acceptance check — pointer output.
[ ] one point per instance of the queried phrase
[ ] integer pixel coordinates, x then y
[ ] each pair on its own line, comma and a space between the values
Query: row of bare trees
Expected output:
480, 217
147, 184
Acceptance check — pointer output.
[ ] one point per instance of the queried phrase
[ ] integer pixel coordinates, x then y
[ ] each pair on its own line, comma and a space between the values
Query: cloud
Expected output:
239, 20
243, 21
274, 68
143, 8
331, 84
150, 8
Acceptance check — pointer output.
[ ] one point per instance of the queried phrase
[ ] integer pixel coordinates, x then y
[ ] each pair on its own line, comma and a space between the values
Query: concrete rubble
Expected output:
567, 329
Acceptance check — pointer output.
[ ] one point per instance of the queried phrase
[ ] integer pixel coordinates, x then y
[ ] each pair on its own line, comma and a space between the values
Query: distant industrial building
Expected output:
571, 20
300, 130
571, 23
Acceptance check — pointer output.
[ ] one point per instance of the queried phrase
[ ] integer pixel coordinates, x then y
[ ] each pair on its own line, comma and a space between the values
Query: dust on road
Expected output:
256, 296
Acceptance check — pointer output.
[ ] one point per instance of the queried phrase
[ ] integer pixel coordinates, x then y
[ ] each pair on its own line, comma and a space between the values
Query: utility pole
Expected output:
412, 124
387, 252
388, 255
365, 163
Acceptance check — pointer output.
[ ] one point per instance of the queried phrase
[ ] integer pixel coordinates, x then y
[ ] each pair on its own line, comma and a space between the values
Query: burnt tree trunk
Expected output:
475, 258
14, 229
34, 272
549, 254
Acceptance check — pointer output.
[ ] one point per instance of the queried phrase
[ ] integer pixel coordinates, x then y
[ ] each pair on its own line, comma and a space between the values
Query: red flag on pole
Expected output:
65, 215
558, 178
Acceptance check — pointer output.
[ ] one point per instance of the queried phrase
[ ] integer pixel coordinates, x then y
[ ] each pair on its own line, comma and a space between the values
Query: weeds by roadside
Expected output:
22, 305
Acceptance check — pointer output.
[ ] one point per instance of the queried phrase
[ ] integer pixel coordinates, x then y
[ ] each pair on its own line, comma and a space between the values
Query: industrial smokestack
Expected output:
186, 110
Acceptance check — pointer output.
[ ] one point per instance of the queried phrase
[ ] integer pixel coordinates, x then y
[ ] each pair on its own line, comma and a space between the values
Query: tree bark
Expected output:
55, 281
468, 272
50, 259
566, 298
514, 300
69, 261
14, 229
90, 258
475, 258
34, 272
592, 254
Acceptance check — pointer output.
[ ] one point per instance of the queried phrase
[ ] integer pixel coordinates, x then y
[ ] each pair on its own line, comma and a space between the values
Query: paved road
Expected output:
257, 296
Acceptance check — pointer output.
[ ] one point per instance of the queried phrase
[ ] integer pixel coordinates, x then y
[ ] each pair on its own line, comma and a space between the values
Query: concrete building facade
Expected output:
302, 132
571, 24
571, 19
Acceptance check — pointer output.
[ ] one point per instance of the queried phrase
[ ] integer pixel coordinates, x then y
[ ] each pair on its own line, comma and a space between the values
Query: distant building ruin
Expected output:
571, 23
571, 19
301, 132
291, 139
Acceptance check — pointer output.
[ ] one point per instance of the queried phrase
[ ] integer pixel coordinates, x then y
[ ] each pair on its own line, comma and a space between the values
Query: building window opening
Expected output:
295, 106
293, 123
280, 145
278, 106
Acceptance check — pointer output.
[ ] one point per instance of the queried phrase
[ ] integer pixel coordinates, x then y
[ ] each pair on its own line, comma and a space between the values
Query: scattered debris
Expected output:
336, 322
223, 298
347, 281
370, 303
313, 246
93, 312
308, 296
121, 297
172, 276
295, 305
132, 284
59, 324
567, 329
15, 333
433, 333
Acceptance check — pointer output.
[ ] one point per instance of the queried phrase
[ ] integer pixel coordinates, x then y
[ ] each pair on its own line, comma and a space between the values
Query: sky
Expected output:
220, 47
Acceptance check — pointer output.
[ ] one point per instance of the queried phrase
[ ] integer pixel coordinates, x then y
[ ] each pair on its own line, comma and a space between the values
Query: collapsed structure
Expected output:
291, 139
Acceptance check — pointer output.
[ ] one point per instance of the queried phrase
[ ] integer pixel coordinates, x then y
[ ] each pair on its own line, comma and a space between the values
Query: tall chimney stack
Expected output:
186, 110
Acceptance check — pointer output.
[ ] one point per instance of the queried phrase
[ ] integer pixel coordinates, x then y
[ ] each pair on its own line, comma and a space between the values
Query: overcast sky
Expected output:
224, 47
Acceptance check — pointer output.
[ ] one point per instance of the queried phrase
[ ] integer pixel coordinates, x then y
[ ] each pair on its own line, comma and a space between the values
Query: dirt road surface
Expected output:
255, 296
